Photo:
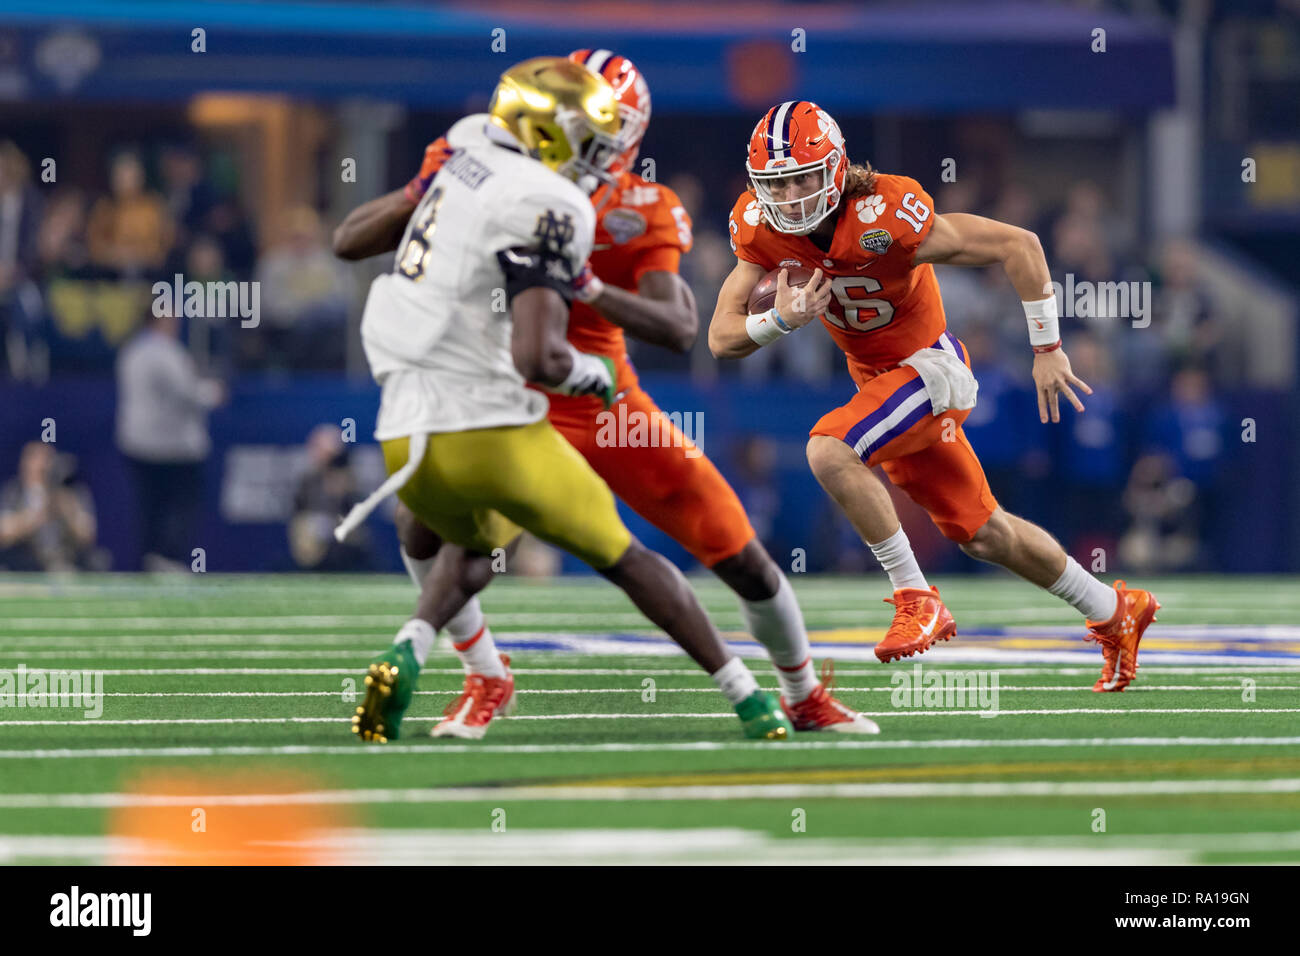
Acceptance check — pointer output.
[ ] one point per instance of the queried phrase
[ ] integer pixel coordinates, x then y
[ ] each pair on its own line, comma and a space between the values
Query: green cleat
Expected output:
390, 685
762, 717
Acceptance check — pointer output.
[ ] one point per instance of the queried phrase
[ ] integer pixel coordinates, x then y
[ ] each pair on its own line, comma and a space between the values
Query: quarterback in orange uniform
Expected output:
631, 285
870, 240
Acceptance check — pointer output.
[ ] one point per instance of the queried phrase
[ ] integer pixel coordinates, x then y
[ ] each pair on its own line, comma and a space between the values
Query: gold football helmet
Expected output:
562, 115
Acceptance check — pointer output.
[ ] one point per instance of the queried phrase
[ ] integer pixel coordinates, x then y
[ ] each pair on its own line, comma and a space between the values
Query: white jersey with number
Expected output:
437, 329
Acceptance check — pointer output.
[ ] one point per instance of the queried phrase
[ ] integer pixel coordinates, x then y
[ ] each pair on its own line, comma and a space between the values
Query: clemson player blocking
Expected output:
631, 284
871, 240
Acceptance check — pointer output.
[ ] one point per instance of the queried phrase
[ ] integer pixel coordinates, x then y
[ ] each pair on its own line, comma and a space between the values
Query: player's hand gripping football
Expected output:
799, 306
1052, 379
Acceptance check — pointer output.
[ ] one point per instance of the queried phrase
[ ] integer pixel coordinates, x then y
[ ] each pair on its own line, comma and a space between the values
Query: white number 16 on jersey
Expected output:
853, 306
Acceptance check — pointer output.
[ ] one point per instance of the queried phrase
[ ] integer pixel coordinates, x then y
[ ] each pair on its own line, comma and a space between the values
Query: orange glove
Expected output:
435, 154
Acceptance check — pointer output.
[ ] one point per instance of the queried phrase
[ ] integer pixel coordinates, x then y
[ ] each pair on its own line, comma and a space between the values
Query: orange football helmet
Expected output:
792, 139
633, 98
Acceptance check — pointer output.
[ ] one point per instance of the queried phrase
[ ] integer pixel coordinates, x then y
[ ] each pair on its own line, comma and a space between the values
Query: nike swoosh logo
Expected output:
1114, 680
863, 266
929, 628
1040, 324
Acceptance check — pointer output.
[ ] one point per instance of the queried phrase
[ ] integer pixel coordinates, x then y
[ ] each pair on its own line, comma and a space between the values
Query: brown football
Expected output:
763, 297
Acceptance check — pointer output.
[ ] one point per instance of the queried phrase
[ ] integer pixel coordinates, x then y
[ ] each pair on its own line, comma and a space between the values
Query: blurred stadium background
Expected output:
134, 149
128, 156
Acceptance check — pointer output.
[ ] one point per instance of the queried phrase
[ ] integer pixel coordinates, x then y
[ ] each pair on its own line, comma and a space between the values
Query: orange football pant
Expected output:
889, 423
649, 463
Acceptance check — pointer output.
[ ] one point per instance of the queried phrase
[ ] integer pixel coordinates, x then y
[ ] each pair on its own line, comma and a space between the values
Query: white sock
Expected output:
777, 624
735, 681
896, 557
421, 635
418, 568
473, 642
1079, 589
797, 682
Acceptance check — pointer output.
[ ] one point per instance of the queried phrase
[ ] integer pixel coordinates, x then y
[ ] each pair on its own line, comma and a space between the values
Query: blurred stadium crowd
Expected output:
1145, 464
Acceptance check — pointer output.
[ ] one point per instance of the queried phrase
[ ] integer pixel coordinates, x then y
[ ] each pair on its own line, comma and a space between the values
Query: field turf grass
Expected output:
224, 732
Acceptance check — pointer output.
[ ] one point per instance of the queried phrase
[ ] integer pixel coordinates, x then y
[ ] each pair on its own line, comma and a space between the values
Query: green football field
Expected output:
223, 731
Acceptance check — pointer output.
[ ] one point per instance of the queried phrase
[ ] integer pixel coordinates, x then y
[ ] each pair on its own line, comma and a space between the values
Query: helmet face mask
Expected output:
592, 153
797, 166
633, 97
635, 122
795, 212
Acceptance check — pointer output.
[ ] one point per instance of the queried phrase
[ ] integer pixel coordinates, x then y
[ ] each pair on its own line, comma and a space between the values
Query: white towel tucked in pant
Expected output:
949, 383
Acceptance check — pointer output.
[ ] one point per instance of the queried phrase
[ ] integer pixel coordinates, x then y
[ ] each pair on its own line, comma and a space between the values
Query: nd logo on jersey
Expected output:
554, 232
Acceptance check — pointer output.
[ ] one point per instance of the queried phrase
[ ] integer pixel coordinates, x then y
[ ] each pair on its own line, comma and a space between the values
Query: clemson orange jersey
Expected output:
640, 227
883, 308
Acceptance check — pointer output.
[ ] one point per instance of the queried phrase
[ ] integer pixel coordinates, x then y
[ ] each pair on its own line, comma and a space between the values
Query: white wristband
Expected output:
589, 291
588, 376
765, 327
1044, 329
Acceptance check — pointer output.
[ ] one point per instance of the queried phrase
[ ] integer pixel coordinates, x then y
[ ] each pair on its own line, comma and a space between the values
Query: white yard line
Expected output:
706, 746
637, 691
779, 791
899, 713
643, 845
1153, 668
950, 657
849, 616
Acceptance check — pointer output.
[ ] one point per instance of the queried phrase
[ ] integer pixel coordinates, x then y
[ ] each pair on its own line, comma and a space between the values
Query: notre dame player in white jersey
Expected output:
475, 308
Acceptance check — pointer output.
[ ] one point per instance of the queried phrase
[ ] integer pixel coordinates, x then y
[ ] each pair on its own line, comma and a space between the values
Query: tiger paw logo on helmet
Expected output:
829, 127
869, 208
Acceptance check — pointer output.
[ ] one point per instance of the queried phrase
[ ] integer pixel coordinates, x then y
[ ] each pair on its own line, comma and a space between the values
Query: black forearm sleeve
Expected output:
525, 268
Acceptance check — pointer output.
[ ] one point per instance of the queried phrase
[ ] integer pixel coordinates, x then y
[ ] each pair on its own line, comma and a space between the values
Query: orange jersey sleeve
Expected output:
751, 240
642, 227
883, 308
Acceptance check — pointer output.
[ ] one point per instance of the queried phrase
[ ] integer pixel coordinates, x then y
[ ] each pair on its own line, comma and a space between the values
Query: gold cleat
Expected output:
369, 721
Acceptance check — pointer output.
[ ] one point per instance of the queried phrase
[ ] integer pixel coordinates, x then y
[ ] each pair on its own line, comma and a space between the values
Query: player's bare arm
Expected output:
374, 227
537, 344
960, 239
729, 336
660, 312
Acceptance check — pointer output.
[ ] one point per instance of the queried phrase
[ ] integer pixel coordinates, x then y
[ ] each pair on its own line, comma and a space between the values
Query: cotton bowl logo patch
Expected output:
877, 241
789, 264
624, 225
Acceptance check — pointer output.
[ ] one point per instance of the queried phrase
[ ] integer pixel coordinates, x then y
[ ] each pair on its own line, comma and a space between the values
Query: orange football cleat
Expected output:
481, 699
1120, 636
920, 619
820, 711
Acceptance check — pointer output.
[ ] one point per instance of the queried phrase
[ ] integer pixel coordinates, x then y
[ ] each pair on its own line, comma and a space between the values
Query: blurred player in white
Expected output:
474, 310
